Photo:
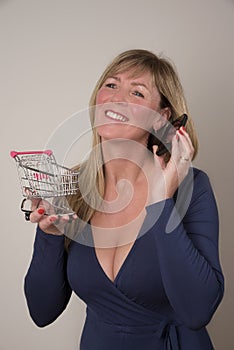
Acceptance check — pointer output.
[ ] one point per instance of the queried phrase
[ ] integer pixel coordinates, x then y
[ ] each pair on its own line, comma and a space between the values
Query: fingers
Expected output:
50, 224
55, 224
183, 132
175, 170
186, 143
37, 214
182, 147
181, 157
159, 159
43, 214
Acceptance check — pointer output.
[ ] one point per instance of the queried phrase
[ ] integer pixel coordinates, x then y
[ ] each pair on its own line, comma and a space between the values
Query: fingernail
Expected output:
183, 128
53, 218
181, 132
41, 211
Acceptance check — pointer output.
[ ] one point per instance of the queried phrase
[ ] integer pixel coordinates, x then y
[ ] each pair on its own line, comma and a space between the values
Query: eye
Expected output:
111, 85
138, 94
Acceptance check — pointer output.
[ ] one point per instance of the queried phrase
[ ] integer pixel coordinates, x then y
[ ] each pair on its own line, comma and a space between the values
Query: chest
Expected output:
114, 236
137, 277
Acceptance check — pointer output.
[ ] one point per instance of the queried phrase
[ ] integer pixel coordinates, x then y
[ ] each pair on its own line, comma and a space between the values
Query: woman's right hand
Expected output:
51, 224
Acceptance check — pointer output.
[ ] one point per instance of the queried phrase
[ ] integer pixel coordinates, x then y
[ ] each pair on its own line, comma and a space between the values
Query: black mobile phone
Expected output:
166, 133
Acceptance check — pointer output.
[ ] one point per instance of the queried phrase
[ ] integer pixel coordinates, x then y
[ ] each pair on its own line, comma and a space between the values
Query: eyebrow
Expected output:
133, 83
116, 78
139, 84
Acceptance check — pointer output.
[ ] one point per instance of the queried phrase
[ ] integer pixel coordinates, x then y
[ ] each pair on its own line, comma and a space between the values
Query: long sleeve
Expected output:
46, 287
189, 257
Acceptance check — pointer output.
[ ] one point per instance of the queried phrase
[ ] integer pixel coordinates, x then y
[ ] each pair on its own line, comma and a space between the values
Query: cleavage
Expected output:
113, 244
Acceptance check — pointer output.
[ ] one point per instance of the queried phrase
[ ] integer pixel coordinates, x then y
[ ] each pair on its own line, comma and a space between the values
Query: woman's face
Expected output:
127, 107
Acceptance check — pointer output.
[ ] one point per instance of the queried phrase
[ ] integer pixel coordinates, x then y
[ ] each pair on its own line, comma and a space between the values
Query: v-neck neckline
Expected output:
125, 261
147, 223
123, 265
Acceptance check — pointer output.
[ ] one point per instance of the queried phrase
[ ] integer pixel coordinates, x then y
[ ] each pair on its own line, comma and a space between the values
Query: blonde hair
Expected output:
166, 80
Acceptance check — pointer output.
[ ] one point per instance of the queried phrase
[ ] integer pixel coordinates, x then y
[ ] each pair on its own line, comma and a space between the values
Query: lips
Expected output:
116, 116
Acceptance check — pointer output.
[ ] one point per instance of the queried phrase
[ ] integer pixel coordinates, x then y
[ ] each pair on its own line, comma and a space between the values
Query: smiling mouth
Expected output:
116, 116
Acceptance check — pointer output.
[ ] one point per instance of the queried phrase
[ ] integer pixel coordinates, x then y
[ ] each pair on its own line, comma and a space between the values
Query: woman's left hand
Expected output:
173, 172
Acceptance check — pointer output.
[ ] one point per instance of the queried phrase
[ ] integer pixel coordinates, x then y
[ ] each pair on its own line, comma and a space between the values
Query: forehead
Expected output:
134, 74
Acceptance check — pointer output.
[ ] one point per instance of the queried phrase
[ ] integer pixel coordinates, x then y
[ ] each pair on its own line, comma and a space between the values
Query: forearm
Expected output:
46, 288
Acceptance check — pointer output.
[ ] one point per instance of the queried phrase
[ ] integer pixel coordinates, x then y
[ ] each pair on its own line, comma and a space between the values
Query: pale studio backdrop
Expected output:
52, 53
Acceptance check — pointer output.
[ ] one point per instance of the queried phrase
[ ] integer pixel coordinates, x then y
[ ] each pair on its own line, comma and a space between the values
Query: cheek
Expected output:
99, 113
143, 116
102, 96
98, 97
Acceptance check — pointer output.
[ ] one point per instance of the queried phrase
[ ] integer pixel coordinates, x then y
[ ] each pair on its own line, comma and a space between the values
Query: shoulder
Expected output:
201, 181
198, 191
195, 194
197, 179
199, 174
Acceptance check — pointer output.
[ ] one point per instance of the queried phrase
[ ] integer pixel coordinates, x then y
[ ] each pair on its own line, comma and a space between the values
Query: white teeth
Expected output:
115, 116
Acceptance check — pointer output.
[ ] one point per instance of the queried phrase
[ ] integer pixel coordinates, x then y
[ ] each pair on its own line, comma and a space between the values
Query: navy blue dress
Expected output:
165, 293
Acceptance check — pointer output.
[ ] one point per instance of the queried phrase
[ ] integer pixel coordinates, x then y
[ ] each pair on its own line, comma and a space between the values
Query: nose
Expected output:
119, 95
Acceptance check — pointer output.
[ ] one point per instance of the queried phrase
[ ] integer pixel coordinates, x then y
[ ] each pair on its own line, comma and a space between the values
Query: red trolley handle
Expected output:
14, 154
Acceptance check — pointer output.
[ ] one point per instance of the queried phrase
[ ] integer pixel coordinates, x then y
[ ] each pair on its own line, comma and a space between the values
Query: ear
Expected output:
165, 114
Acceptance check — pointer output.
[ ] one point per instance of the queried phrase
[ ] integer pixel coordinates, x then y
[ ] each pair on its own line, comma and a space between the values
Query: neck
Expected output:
126, 164
124, 159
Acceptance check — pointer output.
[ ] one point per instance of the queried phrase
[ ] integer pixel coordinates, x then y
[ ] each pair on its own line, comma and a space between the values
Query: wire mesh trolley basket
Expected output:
41, 177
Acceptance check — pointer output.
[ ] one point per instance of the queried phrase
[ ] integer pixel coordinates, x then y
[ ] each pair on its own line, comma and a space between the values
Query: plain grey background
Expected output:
52, 53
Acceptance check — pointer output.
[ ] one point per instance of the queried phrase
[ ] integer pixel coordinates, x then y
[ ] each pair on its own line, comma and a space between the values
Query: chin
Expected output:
111, 132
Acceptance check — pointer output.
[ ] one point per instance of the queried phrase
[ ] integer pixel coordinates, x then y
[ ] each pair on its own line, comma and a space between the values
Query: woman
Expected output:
143, 249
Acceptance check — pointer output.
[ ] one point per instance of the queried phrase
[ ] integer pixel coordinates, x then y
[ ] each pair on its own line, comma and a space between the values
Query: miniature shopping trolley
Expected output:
41, 177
